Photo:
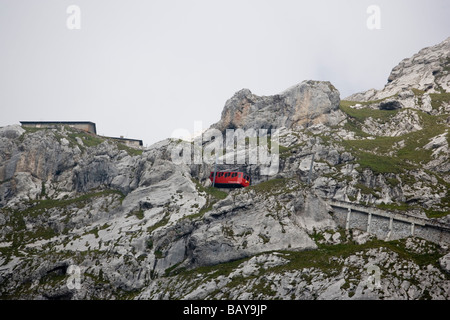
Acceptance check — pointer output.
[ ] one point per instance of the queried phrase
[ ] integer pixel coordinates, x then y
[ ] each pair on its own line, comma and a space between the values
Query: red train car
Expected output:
227, 179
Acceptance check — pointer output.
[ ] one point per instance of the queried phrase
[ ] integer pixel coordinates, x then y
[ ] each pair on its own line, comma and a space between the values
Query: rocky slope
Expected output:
134, 224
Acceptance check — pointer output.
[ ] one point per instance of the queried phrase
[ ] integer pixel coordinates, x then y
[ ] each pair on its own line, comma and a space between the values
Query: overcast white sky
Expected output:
143, 69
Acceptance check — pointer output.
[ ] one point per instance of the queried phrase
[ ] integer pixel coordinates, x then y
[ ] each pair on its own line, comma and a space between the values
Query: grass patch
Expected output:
380, 145
395, 206
160, 223
214, 192
431, 213
358, 116
286, 152
367, 190
324, 259
381, 164
393, 182
324, 262
139, 214
41, 233
362, 114
89, 140
437, 99
354, 126
212, 196
32, 129
40, 206
446, 64
21, 235
388, 160
268, 185
418, 92
131, 151
211, 272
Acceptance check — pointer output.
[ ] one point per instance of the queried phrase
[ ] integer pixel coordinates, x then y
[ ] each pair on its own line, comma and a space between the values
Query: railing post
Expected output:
391, 220
369, 220
310, 169
347, 223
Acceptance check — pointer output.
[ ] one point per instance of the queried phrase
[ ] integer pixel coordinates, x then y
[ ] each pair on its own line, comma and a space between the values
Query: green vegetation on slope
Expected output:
437, 99
402, 156
362, 114
328, 259
382, 154
20, 235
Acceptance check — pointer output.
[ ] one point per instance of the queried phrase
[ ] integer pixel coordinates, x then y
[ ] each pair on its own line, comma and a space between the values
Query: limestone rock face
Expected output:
424, 70
445, 262
239, 227
427, 70
11, 132
310, 102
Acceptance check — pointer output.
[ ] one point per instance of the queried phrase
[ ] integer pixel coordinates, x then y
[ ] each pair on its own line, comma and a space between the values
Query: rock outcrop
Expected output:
305, 104
427, 70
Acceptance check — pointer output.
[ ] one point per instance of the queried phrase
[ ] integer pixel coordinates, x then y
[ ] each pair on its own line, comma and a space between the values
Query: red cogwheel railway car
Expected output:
226, 179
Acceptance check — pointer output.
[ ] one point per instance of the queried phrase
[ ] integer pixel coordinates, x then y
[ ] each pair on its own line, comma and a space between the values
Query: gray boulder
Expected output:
445, 263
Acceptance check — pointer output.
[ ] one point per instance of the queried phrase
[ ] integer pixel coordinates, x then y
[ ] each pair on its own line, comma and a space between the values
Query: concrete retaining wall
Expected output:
388, 225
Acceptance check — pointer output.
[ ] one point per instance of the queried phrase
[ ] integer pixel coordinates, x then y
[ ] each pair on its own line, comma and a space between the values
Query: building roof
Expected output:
78, 122
60, 123
126, 139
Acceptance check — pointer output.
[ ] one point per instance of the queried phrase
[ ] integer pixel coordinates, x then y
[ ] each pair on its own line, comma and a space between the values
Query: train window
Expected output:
227, 175
246, 178
234, 174
221, 174
240, 175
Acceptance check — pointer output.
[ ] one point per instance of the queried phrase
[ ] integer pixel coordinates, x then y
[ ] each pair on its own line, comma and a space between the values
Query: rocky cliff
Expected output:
132, 224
